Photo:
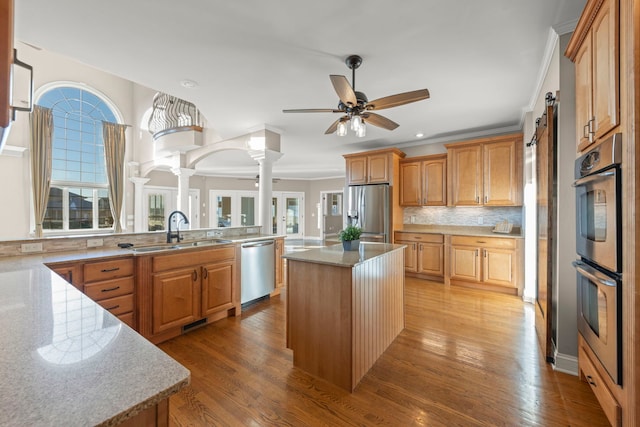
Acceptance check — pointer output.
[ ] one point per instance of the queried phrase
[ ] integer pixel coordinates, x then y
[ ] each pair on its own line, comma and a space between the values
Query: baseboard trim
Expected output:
566, 364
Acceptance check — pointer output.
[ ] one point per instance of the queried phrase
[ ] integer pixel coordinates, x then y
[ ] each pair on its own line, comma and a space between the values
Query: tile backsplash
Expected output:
470, 216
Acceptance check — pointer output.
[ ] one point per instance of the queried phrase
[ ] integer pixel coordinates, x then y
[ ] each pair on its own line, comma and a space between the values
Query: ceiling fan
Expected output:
355, 106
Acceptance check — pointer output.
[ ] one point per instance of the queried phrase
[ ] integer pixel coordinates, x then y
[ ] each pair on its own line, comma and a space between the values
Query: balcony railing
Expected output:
171, 114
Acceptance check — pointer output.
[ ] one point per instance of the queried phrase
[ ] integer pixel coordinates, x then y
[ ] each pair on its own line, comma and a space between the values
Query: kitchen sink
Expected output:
209, 242
154, 248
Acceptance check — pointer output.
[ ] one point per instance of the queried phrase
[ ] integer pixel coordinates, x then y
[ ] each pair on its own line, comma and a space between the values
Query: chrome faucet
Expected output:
171, 235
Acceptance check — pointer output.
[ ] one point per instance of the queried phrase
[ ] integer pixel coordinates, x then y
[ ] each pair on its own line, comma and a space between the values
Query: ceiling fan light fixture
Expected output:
356, 122
362, 130
342, 128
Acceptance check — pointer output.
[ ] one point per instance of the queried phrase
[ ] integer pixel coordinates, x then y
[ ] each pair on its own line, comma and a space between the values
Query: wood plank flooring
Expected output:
465, 358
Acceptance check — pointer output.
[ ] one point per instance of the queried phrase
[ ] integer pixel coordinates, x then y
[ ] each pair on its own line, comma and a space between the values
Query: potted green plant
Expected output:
350, 238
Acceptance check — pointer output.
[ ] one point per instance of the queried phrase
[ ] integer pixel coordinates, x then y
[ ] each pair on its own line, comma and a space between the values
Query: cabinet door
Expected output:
466, 173
604, 51
584, 112
279, 263
357, 170
410, 188
72, 273
434, 182
431, 259
378, 168
176, 298
217, 288
499, 267
465, 263
410, 256
501, 177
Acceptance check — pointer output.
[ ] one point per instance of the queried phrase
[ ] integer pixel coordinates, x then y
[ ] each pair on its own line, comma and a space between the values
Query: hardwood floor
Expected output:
465, 358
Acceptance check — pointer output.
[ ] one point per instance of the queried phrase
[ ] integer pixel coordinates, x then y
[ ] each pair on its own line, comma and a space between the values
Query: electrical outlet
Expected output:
94, 243
480, 220
211, 233
31, 247
413, 219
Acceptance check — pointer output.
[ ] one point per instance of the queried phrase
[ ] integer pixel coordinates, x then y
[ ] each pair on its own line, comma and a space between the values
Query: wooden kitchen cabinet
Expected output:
485, 172
423, 181
111, 283
69, 271
372, 167
183, 289
594, 48
424, 254
279, 267
489, 262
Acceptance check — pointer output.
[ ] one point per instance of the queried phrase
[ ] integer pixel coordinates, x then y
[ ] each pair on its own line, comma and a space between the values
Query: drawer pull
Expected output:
480, 241
113, 308
590, 381
109, 270
110, 289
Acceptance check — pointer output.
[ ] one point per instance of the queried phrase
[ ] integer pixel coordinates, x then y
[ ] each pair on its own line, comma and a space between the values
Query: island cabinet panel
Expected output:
342, 317
69, 271
279, 267
111, 283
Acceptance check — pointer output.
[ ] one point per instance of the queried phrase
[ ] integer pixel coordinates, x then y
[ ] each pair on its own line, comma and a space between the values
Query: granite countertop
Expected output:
335, 255
64, 360
459, 230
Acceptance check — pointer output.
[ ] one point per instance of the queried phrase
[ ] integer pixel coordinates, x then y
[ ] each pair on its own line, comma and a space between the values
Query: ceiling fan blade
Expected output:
313, 110
380, 121
398, 99
344, 90
332, 128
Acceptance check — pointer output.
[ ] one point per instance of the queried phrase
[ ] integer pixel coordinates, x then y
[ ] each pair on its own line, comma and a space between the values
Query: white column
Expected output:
265, 158
138, 214
183, 175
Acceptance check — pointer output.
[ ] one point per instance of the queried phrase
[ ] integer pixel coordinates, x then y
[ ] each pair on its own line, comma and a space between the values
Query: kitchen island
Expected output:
344, 308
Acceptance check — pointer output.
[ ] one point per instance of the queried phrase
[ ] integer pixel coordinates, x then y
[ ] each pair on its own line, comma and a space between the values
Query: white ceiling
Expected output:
481, 60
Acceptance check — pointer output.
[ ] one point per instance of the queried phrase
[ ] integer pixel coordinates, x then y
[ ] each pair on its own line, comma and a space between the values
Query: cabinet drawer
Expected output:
118, 305
419, 237
609, 404
105, 270
109, 288
128, 319
485, 242
193, 258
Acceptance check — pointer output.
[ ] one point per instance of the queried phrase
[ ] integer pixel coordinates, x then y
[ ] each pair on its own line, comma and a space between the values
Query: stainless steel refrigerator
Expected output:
368, 208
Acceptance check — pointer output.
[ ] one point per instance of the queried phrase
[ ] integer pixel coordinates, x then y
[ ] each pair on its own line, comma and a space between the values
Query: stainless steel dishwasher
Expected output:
257, 272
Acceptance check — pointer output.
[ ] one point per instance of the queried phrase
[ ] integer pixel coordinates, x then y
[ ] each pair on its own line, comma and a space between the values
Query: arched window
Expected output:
78, 197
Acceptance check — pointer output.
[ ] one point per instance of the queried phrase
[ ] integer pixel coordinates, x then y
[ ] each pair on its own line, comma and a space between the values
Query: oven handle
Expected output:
586, 179
593, 274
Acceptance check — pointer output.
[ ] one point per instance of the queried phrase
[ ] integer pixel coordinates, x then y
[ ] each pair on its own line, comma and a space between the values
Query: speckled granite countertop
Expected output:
459, 230
335, 255
64, 360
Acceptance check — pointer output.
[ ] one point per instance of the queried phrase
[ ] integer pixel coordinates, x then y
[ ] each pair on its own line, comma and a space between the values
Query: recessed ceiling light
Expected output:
419, 135
188, 84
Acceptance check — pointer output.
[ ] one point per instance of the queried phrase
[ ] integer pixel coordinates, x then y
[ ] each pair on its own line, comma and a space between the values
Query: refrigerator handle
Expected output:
361, 203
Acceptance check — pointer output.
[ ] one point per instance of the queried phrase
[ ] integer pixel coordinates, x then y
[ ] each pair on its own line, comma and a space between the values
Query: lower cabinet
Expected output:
279, 267
486, 261
186, 289
69, 271
424, 254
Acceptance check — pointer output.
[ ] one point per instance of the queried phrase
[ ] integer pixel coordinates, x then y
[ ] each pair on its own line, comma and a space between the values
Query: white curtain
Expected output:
41, 119
114, 149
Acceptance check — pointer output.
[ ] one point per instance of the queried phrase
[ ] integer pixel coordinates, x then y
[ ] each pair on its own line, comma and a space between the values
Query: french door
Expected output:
287, 214
233, 208
159, 202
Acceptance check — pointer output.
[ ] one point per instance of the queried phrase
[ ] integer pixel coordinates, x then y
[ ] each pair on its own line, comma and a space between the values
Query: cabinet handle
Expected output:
70, 276
414, 246
109, 270
486, 199
420, 247
478, 199
113, 308
480, 241
585, 132
485, 252
476, 253
110, 289
195, 275
205, 274
590, 380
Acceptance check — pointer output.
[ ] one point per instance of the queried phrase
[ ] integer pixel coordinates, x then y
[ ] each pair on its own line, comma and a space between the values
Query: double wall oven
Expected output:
599, 245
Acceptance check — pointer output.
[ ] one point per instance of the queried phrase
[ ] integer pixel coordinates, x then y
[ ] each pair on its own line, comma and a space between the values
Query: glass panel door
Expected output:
248, 208
223, 210
288, 214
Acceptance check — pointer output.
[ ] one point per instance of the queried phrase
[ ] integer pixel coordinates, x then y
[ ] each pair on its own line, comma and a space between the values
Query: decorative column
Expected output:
138, 213
183, 175
265, 158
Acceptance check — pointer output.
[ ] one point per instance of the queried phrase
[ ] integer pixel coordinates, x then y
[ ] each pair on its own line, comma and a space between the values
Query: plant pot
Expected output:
350, 245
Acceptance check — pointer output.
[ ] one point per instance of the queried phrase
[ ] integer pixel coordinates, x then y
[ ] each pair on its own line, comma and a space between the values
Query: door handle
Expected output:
195, 275
205, 274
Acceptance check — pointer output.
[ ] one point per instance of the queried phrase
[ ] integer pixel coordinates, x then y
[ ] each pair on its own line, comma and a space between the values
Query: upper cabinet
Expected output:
372, 167
485, 172
594, 49
423, 181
